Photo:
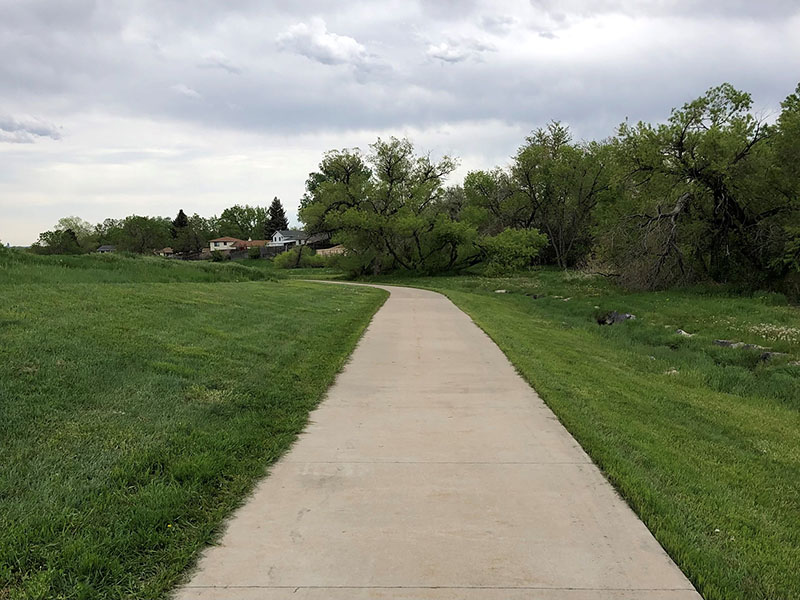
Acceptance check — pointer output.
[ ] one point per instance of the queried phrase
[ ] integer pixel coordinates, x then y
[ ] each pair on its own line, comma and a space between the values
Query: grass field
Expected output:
22, 267
703, 441
135, 416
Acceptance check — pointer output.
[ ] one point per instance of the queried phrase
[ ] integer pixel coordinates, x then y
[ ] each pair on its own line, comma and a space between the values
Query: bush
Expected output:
299, 256
512, 250
219, 256
254, 252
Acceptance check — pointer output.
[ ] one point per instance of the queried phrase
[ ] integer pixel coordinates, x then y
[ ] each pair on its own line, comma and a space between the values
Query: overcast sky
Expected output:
118, 107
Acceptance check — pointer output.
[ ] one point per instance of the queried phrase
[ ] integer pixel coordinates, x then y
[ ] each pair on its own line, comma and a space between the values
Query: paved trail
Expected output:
432, 470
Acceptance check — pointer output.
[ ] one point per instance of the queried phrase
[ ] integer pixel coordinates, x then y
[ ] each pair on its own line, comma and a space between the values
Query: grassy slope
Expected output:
709, 456
22, 267
134, 417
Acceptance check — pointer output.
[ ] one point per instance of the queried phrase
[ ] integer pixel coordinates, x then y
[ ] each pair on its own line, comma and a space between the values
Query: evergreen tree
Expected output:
179, 223
276, 218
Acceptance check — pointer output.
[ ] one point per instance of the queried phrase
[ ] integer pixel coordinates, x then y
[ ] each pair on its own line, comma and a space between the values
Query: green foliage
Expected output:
512, 249
59, 241
254, 252
299, 257
219, 256
553, 185
276, 218
701, 196
142, 235
387, 209
242, 222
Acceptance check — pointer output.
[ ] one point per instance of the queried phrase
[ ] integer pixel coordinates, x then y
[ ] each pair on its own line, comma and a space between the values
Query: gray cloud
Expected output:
217, 60
26, 130
261, 72
315, 42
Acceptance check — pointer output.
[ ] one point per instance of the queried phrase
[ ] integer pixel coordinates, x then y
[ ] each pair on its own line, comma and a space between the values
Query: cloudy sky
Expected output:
118, 107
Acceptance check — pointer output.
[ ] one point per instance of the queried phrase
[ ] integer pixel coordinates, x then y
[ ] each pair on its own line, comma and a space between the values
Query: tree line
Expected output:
711, 194
184, 234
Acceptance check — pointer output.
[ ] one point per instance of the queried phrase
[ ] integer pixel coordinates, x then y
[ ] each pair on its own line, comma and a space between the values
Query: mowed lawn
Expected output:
702, 441
135, 416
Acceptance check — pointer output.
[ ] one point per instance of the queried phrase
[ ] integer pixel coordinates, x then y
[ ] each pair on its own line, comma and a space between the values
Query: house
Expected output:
166, 252
224, 243
332, 251
106, 248
288, 238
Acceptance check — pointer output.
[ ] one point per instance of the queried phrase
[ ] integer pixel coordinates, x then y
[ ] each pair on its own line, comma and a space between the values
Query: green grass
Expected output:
18, 267
702, 441
135, 416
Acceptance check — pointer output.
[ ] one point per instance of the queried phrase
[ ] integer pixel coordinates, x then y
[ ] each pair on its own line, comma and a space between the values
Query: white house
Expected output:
288, 238
224, 243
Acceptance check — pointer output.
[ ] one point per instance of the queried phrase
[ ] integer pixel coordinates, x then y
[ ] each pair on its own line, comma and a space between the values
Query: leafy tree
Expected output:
387, 208
58, 241
701, 196
83, 230
108, 232
553, 185
145, 234
242, 221
194, 236
276, 218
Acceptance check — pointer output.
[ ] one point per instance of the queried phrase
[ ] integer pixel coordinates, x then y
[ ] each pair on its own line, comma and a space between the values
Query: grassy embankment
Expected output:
702, 441
134, 416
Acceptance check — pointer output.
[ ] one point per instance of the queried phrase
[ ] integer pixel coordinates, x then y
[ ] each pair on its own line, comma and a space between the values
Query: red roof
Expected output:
226, 239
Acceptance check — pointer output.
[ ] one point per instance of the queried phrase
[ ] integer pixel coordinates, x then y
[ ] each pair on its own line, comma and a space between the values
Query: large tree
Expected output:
144, 234
276, 218
553, 185
242, 221
701, 195
387, 208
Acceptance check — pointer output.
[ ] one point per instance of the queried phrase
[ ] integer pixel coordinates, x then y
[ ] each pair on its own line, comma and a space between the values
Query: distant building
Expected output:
106, 248
288, 238
334, 250
224, 243
166, 252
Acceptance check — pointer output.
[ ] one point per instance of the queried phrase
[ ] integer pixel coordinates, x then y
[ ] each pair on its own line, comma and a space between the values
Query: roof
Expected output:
167, 249
295, 234
226, 239
107, 247
318, 237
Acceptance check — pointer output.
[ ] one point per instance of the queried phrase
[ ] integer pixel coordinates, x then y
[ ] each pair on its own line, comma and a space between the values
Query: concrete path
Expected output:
432, 470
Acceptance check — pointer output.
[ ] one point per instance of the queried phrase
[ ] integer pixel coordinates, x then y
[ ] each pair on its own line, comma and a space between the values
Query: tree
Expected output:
242, 221
553, 185
83, 231
387, 208
194, 236
701, 193
58, 241
276, 218
144, 234
180, 222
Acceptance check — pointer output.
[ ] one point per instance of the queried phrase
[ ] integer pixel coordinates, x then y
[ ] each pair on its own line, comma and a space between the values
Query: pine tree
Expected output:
276, 218
180, 223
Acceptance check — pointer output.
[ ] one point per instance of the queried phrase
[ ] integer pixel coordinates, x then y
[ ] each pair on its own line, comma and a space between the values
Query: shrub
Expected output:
512, 249
254, 252
219, 256
299, 256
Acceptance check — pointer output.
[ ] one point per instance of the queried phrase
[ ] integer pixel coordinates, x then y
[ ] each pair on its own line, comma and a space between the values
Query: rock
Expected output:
767, 356
566, 299
501, 291
738, 345
614, 317
794, 363
684, 333
672, 371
